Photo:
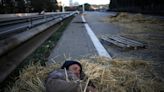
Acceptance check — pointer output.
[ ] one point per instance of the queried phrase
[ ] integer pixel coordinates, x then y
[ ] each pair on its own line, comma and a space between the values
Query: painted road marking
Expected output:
99, 47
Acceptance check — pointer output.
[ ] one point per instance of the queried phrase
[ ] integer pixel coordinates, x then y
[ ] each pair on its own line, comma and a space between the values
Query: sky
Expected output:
66, 2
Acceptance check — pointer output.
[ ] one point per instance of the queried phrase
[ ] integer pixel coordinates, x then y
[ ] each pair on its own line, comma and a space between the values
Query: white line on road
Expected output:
99, 47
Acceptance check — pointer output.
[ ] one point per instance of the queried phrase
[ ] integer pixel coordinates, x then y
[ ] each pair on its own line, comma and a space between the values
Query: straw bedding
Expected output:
107, 75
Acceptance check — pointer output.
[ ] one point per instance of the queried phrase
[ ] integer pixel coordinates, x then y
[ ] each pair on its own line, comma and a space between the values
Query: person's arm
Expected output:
56, 82
91, 89
58, 85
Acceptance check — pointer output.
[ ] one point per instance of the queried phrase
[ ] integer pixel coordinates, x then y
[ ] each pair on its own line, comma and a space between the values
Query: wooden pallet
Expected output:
122, 42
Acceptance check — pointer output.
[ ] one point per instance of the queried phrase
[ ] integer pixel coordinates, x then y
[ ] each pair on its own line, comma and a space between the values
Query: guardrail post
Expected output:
45, 17
30, 22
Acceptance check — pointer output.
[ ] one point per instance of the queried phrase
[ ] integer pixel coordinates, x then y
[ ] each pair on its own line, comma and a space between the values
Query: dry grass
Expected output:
137, 18
147, 29
138, 26
107, 75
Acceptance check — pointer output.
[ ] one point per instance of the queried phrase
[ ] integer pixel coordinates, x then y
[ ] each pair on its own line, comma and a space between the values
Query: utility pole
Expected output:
83, 6
70, 2
63, 10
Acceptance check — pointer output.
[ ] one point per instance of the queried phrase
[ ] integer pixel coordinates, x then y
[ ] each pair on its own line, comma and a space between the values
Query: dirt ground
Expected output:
146, 29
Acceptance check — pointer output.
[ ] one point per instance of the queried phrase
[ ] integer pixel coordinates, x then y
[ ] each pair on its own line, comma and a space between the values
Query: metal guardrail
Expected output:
16, 48
24, 35
19, 24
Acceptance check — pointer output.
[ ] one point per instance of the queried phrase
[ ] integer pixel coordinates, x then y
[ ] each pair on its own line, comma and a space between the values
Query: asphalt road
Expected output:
100, 27
75, 42
97, 24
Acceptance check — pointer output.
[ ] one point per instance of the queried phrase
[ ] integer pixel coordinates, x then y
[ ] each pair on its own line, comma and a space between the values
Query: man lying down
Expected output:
68, 79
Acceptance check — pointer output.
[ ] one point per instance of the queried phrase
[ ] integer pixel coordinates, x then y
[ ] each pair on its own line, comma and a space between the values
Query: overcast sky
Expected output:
66, 2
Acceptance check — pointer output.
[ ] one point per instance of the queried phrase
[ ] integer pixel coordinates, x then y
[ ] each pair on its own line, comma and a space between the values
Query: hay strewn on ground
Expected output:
122, 76
108, 76
32, 79
129, 18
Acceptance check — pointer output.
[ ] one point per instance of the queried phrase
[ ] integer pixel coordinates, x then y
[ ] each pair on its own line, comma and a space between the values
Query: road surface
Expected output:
75, 42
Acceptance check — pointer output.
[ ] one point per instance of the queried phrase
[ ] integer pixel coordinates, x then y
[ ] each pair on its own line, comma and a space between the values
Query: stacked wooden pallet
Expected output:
122, 42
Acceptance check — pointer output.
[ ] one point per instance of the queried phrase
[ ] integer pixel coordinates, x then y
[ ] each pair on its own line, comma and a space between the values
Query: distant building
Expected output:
75, 4
102, 7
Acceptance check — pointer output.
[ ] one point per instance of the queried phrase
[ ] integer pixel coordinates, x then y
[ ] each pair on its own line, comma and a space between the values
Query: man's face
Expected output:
75, 69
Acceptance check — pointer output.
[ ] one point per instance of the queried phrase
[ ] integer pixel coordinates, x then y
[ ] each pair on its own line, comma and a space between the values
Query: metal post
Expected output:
30, 23
63, 10
83, 8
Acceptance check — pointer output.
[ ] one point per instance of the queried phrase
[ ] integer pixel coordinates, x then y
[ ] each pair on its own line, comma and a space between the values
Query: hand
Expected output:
91, 89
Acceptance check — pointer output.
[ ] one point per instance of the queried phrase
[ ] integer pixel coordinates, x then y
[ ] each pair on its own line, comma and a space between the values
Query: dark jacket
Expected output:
56, 82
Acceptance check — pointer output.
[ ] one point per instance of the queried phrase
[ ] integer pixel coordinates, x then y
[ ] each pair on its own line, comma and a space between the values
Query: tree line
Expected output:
145, 6
15, 6
28, 6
